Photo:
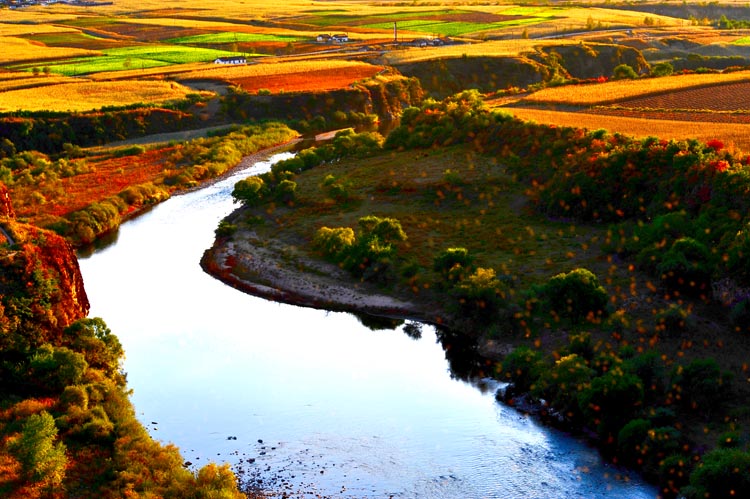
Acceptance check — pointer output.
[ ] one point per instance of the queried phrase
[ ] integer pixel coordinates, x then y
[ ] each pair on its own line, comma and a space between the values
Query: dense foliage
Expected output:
677, 210
67, 427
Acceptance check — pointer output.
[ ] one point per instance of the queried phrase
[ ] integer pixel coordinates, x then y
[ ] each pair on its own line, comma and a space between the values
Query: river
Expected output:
311, 402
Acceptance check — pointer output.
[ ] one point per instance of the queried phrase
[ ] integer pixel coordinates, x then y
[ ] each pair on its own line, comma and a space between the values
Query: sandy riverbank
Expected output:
282, 273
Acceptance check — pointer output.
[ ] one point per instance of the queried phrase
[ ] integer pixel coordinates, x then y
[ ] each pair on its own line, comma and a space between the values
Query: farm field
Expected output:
616, 91
294, 76
85, 96
642, 125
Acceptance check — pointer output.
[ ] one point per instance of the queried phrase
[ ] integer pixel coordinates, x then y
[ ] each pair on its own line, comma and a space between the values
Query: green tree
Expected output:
624, 72
662, 69
249, 191
101, 349
41, 458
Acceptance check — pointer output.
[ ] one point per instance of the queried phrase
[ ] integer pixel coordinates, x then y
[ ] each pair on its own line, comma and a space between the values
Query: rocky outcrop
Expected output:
6, 207
41, 287
384, 98
592, 60
443, 77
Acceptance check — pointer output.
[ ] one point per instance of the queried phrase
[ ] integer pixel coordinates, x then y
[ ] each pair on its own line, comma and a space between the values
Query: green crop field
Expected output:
231, 37
135, 57
448, 28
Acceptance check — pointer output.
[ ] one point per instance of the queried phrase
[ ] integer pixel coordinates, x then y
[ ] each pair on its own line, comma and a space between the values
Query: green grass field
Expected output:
449, 28
135, 57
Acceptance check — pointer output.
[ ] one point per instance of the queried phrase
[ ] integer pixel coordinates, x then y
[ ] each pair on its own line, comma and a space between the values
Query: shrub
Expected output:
686, 267
521, 367
562, 384
453, 264
480, 295
42, 460
623, 72
249, 191
721, 473
56, 368
739, 316
611, 400
631, 439
334, 243
576, 295
662, 69
673, 321
701, 385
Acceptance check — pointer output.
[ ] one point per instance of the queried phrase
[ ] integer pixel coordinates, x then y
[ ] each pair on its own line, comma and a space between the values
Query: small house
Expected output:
231, 60
324, 38
340, 38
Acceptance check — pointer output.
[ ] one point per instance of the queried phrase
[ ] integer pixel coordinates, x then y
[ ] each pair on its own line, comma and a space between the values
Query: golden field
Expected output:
614, 91
736, 134
22, 50
85, 96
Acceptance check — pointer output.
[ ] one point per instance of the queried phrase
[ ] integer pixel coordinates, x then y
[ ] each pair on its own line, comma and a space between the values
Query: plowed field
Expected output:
311, 81
729, 97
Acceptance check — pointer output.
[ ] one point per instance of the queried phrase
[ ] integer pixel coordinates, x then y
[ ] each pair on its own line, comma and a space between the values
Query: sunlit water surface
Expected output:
308, 401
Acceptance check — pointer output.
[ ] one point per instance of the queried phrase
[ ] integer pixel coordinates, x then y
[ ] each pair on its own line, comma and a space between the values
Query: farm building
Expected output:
230, 60
324, 38
340, 38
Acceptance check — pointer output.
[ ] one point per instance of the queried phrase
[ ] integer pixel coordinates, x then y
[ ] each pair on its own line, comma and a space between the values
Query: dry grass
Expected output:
737, 134
21, 50
7, 29
85, 96
499, 48
614, 91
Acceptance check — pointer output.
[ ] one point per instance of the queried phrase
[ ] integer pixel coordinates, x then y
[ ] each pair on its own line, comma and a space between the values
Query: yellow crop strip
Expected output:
736, 134
21, 50
614, 91
85, 96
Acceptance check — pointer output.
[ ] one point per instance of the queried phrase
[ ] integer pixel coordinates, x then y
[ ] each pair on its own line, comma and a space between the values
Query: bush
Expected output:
563, 383
42, 460
576, 295
673, 321
611, 400
662, 69
631, 441
739, 316
521, 367
686, 267
453, 264
623, 71
701, 385
334, 243
249, 191
721, 473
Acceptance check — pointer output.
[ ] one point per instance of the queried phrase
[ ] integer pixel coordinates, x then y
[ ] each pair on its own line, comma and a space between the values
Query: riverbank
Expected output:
273, 270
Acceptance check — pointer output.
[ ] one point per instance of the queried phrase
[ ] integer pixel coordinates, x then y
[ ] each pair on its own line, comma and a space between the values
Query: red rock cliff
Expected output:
41, 287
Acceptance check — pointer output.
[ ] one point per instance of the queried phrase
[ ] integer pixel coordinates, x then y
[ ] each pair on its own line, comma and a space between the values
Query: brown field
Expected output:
292, 76
109, 177
617, 91
729, 133
728, 97
85, 96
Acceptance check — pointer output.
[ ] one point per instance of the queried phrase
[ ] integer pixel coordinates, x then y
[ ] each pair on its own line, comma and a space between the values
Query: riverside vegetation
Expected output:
617, 268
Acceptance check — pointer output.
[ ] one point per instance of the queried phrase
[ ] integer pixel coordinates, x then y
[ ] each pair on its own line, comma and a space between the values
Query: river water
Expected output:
311, 402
